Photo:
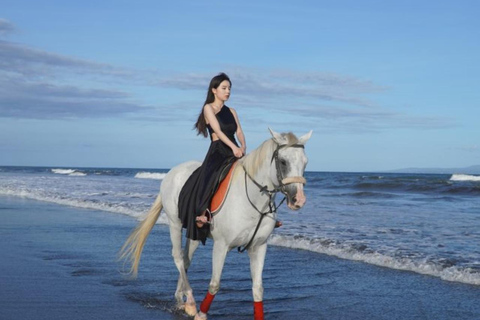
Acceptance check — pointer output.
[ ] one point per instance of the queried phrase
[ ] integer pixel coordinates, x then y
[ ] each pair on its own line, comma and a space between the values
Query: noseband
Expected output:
283, 182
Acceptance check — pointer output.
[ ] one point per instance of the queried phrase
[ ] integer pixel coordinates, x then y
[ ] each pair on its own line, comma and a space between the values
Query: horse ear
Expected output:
277, 137
303, 139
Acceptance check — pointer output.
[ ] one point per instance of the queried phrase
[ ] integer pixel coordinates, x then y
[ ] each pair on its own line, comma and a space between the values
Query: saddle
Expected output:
221, 194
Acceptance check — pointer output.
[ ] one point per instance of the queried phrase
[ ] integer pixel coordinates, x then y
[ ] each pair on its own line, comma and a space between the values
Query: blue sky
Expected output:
383, 85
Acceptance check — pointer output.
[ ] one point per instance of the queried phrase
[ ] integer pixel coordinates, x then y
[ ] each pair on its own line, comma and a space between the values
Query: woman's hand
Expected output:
244, 150
237, 152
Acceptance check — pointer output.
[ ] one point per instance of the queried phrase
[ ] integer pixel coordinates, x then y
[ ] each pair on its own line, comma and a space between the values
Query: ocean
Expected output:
424, 223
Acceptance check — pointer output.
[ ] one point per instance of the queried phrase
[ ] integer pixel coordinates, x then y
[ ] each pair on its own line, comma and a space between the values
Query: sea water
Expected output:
425, 223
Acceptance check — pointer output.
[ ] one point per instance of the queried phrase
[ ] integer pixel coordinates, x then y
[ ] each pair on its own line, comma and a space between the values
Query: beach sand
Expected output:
59, 262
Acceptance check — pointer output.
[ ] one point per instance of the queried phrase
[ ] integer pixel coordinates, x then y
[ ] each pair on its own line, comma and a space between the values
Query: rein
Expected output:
271, 193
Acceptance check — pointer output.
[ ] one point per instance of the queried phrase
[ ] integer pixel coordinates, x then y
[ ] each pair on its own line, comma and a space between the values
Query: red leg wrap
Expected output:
205, 306
258, 310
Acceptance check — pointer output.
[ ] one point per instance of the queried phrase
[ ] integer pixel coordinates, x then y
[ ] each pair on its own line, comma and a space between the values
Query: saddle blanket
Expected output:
221, 194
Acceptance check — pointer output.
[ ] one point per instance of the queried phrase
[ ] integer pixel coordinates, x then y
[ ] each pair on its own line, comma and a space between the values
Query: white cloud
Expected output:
20, 98
35, 84
38, 84
6, 27
20, 59
274, 84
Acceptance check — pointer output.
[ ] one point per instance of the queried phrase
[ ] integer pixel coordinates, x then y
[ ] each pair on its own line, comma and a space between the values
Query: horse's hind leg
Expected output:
183, 287
190, 247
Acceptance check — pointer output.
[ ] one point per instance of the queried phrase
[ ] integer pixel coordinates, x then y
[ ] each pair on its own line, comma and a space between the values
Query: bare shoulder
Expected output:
233, 111
208, 111
208, 106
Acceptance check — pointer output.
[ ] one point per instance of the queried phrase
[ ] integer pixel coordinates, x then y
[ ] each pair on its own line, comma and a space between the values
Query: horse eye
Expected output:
283, 162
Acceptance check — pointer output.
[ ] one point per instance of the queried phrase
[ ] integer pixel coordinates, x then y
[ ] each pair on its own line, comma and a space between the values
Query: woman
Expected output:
221, 123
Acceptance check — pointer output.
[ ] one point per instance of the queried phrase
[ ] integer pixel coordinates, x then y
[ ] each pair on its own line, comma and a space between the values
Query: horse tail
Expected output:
132, 249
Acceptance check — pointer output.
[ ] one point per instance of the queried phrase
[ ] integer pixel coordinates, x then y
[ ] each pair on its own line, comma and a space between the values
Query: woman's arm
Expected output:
212, 120
240, 135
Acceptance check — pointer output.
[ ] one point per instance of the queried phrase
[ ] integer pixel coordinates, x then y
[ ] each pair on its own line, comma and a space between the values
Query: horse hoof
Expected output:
200, 316
190, 309
180, 306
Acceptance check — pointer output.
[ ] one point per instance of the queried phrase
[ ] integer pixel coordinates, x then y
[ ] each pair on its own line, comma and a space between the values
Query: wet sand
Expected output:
59, 262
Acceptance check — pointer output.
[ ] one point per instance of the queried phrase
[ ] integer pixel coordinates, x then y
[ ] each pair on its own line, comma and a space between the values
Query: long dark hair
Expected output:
201, 124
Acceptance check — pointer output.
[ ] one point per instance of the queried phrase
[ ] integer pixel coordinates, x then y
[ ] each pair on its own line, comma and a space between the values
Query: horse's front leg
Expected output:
257, 260
218, 260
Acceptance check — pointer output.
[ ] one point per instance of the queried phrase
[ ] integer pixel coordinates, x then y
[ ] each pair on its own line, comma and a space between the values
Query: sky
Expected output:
383, 84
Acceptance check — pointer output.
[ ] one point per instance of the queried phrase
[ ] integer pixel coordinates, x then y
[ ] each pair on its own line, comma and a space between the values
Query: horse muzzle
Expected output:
298, 201
294, 191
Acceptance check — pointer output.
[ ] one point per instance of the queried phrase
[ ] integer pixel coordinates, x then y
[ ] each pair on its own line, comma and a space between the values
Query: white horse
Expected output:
246, 218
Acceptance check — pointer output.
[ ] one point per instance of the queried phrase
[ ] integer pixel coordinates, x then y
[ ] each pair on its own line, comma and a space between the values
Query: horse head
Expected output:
288, 166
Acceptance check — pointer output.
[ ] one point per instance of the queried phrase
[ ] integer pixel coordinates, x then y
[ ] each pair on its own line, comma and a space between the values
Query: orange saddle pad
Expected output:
222, 191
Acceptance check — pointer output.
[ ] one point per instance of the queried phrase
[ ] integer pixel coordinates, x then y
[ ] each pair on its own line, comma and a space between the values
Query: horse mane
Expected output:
254, 160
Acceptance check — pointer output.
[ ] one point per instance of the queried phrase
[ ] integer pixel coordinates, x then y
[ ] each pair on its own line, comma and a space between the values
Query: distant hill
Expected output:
466, 170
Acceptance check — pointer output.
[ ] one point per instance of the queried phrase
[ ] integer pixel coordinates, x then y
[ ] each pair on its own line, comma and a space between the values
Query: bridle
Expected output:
282, 183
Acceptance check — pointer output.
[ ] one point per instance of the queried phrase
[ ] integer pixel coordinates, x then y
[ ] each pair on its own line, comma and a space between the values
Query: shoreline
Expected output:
59, 262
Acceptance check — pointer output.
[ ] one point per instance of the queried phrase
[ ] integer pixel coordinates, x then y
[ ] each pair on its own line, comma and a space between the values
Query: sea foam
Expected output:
63, 171
329, 247
69, 172
464, 177
150, 175
77, 174
122, 208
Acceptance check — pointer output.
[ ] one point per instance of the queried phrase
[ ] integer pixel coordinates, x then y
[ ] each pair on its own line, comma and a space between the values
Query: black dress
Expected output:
200, 187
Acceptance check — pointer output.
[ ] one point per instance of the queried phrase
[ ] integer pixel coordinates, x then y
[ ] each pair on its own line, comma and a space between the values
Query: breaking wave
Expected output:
69, 172
464, 177
444, 269
150, 175
124, 207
